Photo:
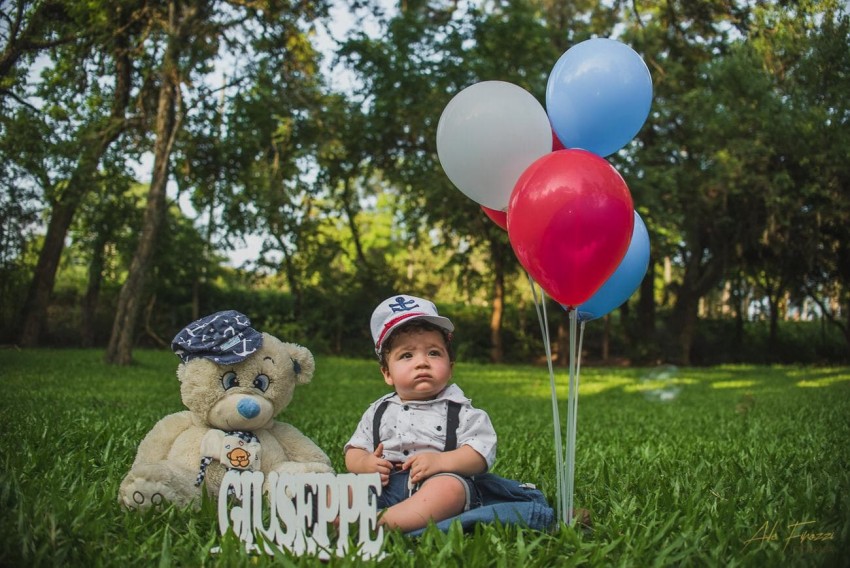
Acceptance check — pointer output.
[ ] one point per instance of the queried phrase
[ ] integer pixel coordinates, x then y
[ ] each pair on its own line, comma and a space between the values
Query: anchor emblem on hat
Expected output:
402, 305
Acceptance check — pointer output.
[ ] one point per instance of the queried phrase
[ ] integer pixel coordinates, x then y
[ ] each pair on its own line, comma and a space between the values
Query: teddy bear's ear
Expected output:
303, 364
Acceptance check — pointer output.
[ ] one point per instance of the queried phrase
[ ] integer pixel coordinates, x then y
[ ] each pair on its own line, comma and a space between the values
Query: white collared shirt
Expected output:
408, 428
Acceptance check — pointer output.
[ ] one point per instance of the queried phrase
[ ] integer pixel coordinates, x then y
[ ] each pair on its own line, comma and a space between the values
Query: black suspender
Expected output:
376, 423
452, 423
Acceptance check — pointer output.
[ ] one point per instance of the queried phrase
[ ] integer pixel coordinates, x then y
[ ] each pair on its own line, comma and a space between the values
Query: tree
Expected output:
190, 37
106, 217
18, 218
34, 27
77, 120
250, 168
428, 53
181, 21
670, 169
807, 53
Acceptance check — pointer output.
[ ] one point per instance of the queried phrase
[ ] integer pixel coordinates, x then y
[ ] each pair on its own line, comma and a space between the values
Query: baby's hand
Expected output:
422, 466
375, 462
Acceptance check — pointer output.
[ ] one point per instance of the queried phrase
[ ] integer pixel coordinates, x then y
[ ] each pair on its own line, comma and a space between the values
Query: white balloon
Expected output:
488, 134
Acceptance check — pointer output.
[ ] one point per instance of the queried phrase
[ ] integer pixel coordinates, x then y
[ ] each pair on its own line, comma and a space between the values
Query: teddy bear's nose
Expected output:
248, 407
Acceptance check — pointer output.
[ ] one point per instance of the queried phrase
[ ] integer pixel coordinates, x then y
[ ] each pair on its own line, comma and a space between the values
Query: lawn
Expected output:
722, 466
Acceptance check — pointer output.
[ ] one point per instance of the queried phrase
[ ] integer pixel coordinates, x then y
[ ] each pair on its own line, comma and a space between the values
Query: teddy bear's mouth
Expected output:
232, 425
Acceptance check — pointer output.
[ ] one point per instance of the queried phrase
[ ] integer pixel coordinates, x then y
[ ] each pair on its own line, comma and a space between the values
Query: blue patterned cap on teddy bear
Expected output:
223, 337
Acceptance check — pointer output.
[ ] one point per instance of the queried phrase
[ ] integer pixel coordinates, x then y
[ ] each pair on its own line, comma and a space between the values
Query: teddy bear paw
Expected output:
143, 493
140, 491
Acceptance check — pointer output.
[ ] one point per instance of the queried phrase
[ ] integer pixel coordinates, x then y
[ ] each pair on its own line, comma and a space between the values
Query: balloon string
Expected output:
570, 398
562, 479
556, 420
572, 413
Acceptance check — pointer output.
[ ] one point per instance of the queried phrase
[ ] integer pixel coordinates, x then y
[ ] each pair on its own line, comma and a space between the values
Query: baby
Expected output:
425, 439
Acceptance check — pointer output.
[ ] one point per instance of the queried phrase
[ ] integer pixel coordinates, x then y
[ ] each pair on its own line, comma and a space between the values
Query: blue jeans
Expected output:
396, 490
506, 501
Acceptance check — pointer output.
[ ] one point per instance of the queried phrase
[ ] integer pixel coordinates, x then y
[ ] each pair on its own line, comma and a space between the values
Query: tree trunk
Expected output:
34, 312
845, 329
93, 147
196, 299
497, 353
120, 349
773, 329
685, 316
351, 217
646, 314
564, 339
699, 277
88, 326
292, 279
739, 295
830, 316
606, 338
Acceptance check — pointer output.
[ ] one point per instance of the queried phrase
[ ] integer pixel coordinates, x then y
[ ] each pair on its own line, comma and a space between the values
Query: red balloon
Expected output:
498, 217
570, 220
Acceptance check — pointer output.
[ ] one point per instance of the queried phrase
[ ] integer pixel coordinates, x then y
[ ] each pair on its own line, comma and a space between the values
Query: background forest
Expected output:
142, 142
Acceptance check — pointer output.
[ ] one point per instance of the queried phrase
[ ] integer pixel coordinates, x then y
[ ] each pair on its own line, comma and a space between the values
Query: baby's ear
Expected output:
303, 364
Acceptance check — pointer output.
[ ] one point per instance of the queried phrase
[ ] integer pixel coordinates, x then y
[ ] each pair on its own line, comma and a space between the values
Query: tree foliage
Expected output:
740, 171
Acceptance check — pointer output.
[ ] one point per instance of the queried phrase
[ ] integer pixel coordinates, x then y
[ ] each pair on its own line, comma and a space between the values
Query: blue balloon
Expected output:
598, 96
624, 281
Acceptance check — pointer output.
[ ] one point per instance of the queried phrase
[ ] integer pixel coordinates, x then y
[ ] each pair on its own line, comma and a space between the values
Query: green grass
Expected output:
686, 482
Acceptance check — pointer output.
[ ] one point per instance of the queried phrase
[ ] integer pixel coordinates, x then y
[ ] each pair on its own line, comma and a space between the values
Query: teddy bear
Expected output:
234, 381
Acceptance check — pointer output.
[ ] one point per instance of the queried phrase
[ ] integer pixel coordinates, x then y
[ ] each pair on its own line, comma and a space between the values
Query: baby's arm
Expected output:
462, 461
358, 460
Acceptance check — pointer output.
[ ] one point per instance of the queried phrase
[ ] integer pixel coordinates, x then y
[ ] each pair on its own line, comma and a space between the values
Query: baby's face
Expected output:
418, 365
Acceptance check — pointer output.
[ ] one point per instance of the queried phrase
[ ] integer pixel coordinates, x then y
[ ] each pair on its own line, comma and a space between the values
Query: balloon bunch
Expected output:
542, 176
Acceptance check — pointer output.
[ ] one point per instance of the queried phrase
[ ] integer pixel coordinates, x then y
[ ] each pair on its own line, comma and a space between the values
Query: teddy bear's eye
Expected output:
261, 382
229, 380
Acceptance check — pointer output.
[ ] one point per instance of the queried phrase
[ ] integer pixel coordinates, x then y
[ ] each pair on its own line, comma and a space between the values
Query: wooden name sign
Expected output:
307, 513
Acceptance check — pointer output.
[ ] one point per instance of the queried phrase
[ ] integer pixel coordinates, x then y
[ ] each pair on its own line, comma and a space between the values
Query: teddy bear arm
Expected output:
158, 442
297, 446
